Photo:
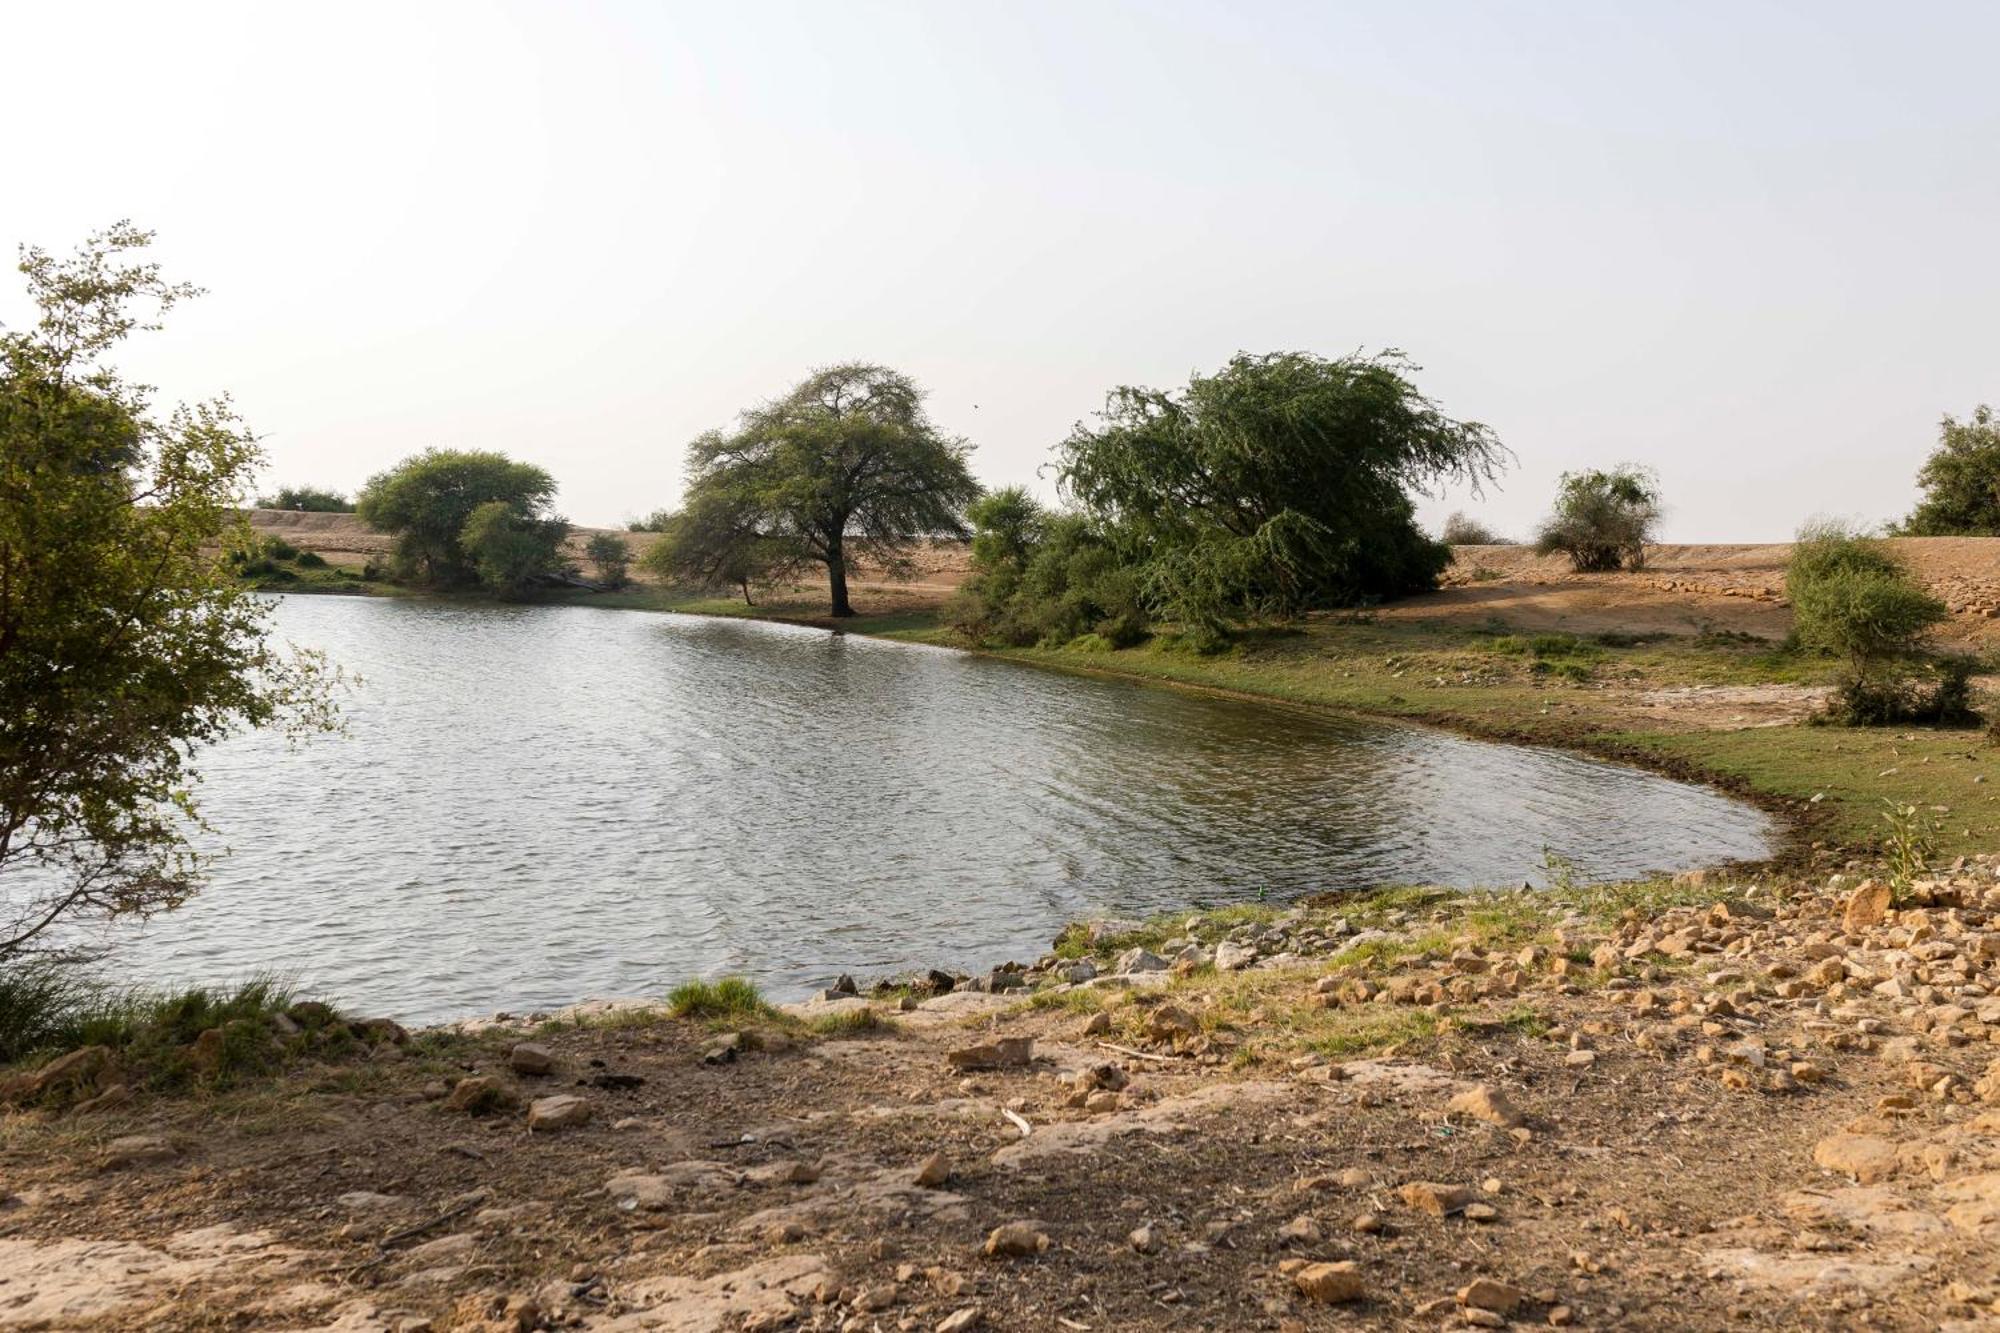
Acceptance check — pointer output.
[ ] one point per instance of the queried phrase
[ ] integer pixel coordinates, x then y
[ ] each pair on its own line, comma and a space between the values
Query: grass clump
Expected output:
730, 997
850, 1023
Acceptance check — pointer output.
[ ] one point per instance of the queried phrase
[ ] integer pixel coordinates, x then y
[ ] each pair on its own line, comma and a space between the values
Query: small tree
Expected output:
1961, 481
656, 521
307, 499
1602, 519
846, 465
426, 499
1853, 599
1279, 483
125, 645
512, 551
1461, 529
611, 556
716, 543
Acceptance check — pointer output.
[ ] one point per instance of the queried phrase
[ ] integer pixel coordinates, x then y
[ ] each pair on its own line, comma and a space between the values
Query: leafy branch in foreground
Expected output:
125, 646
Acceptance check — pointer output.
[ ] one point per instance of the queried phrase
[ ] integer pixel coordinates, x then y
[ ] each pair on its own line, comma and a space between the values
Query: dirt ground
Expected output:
1682, 589
1764, 1114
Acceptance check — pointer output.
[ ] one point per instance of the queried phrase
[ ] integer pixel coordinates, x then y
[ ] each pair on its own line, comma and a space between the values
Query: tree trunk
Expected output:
836, 577
746, 593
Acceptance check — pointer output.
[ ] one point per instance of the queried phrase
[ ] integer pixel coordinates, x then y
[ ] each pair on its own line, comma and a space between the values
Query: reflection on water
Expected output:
537, 805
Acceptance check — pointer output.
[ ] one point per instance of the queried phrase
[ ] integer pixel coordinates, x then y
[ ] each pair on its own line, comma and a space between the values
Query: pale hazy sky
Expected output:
1756, 246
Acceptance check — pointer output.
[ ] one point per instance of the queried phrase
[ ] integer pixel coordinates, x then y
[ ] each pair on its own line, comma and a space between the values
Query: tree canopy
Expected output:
1280, 483
845, 466
1960, 481
427, 499
124, 646
512, 551
307, 499
1602, 518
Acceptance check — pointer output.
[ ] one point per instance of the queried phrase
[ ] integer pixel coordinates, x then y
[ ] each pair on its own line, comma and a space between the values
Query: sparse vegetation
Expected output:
611, 557
1461, 529
308, 500
729, 997
1602, 519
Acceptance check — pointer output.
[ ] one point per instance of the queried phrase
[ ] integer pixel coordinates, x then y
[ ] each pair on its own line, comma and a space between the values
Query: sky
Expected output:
1752, 246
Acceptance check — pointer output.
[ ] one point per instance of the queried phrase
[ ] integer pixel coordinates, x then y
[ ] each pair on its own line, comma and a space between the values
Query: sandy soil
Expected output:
1769, 1115
1682, 590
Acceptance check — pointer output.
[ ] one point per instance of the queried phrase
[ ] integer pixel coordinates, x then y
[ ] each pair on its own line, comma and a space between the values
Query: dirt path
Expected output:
1758, 1115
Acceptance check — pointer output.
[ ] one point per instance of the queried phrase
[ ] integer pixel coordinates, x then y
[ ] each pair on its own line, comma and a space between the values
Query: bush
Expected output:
1462, 529
311, 560
1602, 519
512, 550
611, 555
1852, 598
1960, 481
1046, 579
307, 499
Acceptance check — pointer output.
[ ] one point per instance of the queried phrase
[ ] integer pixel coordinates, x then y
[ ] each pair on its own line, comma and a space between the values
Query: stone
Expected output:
1170, 1021
1140, 960
1301, 1230
1143, 1239
1233, 957
1015, 1240
1862, 1156
1004, 1053
137, 1150
1427, 1196
530, 1058
479, 1094
1484, 1102
112, 1097
933, 1172
562, 1111
1331, 1284
783, 1173
1867, 906
1486, 1294
960, 1321
73, 1069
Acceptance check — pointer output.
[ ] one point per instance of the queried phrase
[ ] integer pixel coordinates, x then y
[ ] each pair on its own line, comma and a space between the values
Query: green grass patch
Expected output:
730, 997
864, 1021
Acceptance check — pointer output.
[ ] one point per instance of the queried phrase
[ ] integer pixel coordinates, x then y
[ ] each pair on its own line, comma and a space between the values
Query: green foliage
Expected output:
1280, 483
125, 644
611, 556
717, 542
845, 466
1461, 529
307, 499
1960, 481
310, 560
1852, 598
657, 521
512, 551
1602, 520
1909, 844
1047, 579
730, 997
427, 499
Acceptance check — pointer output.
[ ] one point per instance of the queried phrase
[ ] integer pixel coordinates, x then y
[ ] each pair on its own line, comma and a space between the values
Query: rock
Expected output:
1005, 1053
1098, 1026
1866, 906
562, 1111
1483, 1102
1486, 1294
1330, 1284
1139, 960
114, 1096
1015, 1240
530, 1058
1233, 957
783, 1173
1863, 1156
72, 1070
959, 1321
1301, 1230
480, 1094
1144, 1239
1427, 1196
1170, 1021
933, 1172
137, 1150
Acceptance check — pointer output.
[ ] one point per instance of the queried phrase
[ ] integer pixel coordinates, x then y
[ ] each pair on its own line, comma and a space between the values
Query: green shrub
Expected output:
1462, 529
1852, 598
311, 560
727, 998
1602, 520
612, 557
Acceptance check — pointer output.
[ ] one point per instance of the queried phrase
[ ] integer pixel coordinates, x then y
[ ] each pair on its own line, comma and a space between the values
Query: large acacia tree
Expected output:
427, 500
125, 647
1960, 481
1280, 483
845, 466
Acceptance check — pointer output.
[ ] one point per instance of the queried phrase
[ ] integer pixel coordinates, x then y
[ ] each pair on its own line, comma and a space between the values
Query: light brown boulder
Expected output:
933, 1171
1486, 1294
530, 1057
562, 1111
1015, 1240
1863, 1156
1331, 1284
1427, 1196
1483, 1102
1004, 1053
1867, 906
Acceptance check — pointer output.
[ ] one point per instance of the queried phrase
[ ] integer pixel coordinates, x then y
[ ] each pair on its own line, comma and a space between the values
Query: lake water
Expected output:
536, 805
